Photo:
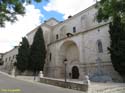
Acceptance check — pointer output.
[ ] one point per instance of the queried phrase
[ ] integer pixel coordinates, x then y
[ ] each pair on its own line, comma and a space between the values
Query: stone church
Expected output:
79, 46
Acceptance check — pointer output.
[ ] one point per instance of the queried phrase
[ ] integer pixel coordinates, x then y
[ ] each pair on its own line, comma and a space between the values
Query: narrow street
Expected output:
12, 85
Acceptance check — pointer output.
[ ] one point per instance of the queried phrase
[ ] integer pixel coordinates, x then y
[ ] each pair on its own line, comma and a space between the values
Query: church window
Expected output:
63, 28
6, 60
13, 56
57, 36
94, 17
9, 58
99, 44
74, 29
98, 30
83, 21
50, 56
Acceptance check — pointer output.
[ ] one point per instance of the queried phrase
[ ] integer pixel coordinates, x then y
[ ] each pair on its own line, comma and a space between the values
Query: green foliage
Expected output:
33, 58
10, 8
117, 48
37, 52
115, 11
110, 8
23, 55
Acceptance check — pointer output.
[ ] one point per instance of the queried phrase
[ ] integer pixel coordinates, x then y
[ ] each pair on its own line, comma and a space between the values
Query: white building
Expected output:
1, 56
9, 58
80, 42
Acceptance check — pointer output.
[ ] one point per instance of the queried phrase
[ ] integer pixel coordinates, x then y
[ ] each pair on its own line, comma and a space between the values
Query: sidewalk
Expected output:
28, 78
24, 78
6, 74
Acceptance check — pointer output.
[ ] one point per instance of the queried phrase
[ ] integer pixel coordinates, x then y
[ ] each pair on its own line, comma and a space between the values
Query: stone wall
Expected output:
61, 83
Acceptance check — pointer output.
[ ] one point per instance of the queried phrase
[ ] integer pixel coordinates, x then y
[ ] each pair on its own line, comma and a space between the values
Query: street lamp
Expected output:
65, 63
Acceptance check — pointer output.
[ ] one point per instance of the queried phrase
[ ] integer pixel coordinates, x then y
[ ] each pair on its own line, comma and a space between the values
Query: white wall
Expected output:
47, 31
9, 58
88, 31
46, 34
83, 21
52, 22
91, 47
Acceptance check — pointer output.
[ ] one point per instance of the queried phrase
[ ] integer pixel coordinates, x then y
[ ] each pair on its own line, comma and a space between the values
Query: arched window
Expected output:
50, 57
6, 60
57, 36
84, 21
74, 29
99, 45
63, 30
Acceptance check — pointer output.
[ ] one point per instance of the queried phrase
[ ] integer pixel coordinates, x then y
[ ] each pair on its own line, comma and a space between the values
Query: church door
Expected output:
75, 72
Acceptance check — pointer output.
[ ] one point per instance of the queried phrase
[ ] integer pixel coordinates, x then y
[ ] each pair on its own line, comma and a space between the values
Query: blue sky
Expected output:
36, 13
48, 14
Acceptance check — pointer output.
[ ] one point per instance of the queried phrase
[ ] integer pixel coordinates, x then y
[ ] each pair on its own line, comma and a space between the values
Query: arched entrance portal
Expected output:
75, 72
69, 51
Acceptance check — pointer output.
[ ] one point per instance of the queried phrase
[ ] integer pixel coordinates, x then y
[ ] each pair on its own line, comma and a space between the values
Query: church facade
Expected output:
79, 46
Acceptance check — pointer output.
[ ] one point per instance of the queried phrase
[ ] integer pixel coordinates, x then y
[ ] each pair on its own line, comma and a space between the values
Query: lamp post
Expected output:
65, 63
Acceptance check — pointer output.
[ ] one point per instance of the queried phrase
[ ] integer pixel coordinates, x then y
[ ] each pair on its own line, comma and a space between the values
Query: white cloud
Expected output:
12, 34
68, 7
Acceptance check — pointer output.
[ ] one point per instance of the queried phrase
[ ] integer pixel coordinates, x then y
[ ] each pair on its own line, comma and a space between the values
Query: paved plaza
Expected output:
26, 84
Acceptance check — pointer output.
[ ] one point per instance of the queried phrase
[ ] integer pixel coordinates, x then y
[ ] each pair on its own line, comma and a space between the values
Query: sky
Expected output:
37, 13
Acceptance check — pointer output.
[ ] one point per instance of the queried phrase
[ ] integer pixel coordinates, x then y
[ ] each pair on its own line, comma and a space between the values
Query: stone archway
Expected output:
75, 72
69, 52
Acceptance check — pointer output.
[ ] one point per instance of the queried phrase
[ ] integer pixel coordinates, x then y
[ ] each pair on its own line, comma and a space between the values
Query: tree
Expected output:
37, 52
114, 10
110, 9
23, 55
117, 47
10, 8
